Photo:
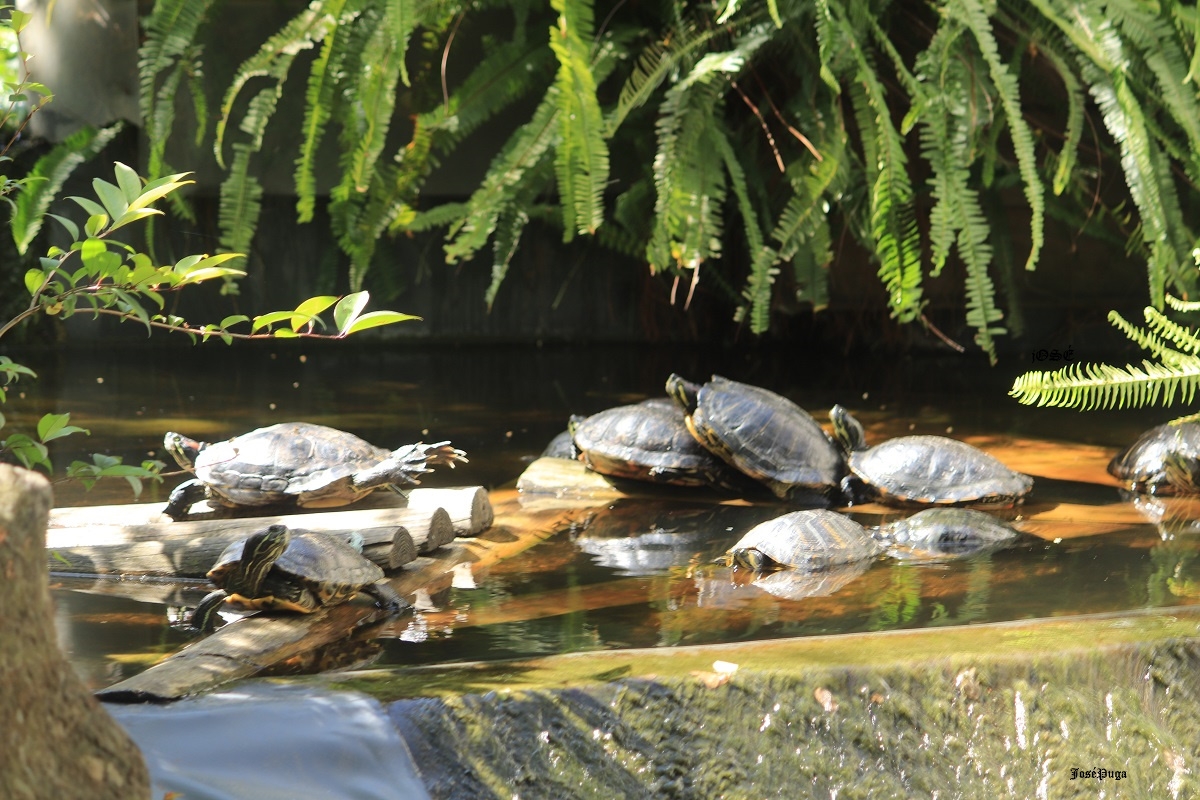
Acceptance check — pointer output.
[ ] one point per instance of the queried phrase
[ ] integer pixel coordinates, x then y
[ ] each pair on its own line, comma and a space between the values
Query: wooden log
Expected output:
395, 554
188, 549
261, 640
469, 508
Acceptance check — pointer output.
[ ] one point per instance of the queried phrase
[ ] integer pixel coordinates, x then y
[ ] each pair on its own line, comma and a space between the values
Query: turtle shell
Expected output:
329, 566
947, 533
812, 539
937, 470
768, 437
1145, 466
649, 441
277, 463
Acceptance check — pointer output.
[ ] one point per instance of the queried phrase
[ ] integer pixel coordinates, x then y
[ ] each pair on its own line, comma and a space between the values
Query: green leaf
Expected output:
111, 197
348, 309
34, 279
375, 319
266, 320
233, 320
71, 227
55, 426
307, 311
128, 182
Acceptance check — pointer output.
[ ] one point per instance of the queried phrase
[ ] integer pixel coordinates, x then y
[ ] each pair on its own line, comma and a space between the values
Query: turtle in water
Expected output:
649, 441
1165, 460
277, 568
927, 470
945, 533
295, 463
807, 540
763, 435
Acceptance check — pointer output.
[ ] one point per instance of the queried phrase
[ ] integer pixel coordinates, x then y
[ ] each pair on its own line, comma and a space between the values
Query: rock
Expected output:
56, 740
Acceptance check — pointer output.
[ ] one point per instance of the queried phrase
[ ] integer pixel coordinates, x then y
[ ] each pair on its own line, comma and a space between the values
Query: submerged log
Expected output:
261, 640
189, 549
56, 740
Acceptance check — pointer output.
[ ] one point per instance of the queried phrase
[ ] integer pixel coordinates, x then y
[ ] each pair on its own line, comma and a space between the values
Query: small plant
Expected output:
100, 274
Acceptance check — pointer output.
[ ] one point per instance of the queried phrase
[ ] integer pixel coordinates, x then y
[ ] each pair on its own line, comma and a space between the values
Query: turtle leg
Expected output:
183, 496
404, 465
204, 617
385, 596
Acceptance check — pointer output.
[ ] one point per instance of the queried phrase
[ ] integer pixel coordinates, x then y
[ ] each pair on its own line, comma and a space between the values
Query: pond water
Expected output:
633, 573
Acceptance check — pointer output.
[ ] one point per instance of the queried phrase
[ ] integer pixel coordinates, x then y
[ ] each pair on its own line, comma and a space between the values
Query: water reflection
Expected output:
639, 573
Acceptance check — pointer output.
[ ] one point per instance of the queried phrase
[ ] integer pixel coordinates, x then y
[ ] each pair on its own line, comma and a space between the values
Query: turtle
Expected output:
649, 441
763, 435
812, 539
1164, 460
941, 533
923, 470
296, 570
295, 463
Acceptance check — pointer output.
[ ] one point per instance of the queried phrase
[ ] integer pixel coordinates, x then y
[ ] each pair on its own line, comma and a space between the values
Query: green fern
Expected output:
1173, 376
581, 154
323, 81
47, 177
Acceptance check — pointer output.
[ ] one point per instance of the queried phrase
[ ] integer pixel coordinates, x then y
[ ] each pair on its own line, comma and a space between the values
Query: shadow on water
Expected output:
641, 573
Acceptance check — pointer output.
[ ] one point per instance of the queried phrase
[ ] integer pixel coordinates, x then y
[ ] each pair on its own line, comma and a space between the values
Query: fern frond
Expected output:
273, 60
893, 222
170, 31
658, 60
581, 154
240, 205
323, 79
528, 145
1074, 129
1182, 305
509, 227
974, 17
1101, 386
1184, 338
374, 98
47, 177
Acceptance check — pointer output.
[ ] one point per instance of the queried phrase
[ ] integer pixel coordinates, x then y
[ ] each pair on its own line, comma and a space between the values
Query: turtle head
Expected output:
683, 391
847, 429
183, 449
259, 553
750, 558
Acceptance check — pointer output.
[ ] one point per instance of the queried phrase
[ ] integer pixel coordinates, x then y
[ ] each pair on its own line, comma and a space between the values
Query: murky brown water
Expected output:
640, 573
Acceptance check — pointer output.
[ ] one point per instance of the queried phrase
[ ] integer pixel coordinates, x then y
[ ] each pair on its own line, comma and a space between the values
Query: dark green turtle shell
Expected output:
809, 540
329, 566
768, 437
648, 441
937, 470
1164, 460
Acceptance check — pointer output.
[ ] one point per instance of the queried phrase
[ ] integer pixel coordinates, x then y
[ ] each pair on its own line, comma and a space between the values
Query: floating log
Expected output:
253, 644
188, 549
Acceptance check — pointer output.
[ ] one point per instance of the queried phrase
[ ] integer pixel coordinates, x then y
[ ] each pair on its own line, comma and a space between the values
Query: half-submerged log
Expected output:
56, 740
259, 641
189, 549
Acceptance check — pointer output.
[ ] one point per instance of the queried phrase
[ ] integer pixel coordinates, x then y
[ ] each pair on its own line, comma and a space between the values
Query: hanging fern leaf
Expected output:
1100, 386
47, 177
581, 154
272, 61
973, 16
241, 196
323, 80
